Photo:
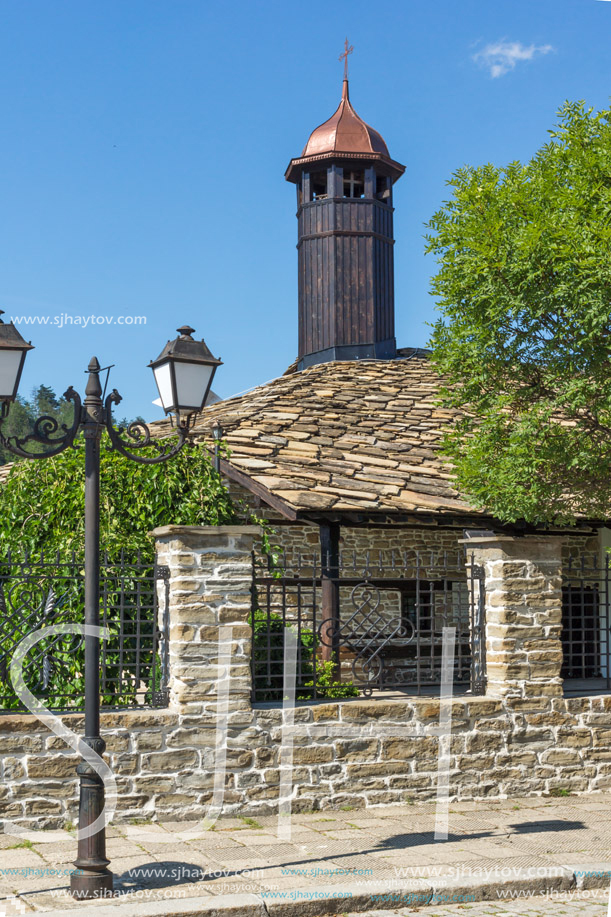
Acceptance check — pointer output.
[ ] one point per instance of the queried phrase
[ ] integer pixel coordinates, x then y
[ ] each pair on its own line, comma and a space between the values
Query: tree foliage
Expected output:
523, 341
42, 502
42, 514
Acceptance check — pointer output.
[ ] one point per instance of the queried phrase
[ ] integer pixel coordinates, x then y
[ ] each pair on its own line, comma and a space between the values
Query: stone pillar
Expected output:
210, 584
523, 604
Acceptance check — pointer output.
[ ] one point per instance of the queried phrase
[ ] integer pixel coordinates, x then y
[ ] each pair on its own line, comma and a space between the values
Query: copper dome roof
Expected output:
345, 132
345, 135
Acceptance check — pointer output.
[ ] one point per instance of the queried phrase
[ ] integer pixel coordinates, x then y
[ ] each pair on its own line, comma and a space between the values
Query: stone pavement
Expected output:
337, 861
565, 904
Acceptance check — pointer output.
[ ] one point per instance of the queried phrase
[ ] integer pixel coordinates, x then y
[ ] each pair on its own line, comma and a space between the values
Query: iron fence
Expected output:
586, 651
37, 592
385, 632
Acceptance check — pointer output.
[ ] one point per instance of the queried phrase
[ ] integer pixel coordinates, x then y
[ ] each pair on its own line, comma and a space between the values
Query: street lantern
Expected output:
183, 372
13, 350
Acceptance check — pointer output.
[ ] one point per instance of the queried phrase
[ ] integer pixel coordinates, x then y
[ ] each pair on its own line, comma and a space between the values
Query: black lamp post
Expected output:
183, 372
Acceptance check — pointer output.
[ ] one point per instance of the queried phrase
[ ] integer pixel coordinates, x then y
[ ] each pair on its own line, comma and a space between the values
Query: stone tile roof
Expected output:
343, 436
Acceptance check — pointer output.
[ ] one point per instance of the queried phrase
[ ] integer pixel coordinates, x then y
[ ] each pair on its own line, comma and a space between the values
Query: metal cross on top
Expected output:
348, 49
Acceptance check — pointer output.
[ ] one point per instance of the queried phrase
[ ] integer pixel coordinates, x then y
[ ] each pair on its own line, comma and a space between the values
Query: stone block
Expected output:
551, 688
550, 718
516, 758
322, 712
10, 809
379, 769
337, 800
60, 789
249, 779
235, 615
408, 748
133, 803
600, 738
376, 710
266, 755
577, 737
357, 749
206, 737
601, 783
271, 777
484, 707
479, 762
43, 807
169, 762
117, 742
52, 766
597, 719
139, 719
124, 764
559, 757
312, 754
148, 741
240, 757
13, 769
183, 633
483, 742
201, 780
20, 744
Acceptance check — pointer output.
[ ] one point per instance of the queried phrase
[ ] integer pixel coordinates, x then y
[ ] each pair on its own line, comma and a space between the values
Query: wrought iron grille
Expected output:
387, 632
586, 652
39, 592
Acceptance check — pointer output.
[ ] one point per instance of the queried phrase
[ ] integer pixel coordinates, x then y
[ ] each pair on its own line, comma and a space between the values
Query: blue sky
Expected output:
144, 145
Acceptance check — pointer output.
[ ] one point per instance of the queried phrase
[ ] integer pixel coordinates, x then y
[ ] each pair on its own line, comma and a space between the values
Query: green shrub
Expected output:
268, 654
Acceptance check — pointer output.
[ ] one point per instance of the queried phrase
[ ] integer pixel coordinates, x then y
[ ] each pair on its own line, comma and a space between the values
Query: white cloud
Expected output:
500, 57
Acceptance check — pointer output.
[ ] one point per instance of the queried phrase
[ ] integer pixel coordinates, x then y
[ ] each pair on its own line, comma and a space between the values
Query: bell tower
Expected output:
344, 180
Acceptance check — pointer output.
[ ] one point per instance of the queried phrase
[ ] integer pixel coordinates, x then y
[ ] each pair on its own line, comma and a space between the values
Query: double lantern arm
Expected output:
55, 437
183, 372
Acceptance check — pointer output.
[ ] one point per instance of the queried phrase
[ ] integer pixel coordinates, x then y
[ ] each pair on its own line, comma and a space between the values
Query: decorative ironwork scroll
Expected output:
47, 432
139, 437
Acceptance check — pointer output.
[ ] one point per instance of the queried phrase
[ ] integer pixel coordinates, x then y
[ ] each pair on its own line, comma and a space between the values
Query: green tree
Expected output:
523, 341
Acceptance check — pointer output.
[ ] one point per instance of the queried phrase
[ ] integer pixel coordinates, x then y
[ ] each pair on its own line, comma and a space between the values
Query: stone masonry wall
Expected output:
350, 752
370, 753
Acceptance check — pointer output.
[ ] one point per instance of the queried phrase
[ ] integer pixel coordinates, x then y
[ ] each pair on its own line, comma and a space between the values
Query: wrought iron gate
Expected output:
387, 634
39, 592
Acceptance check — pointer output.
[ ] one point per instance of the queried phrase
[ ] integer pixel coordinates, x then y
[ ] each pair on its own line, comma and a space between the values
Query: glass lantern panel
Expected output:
10, 361
163, 378
192, 381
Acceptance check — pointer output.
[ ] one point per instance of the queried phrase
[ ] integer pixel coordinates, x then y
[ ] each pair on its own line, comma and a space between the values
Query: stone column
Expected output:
210, 581
523, 582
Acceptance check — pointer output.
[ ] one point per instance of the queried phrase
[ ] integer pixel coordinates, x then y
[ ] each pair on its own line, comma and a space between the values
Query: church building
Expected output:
341, 455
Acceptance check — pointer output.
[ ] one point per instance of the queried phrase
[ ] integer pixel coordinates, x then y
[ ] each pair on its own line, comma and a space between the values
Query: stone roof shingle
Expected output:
352, 435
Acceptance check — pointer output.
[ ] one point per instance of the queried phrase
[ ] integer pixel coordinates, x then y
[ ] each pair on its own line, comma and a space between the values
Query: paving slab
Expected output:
334, 862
